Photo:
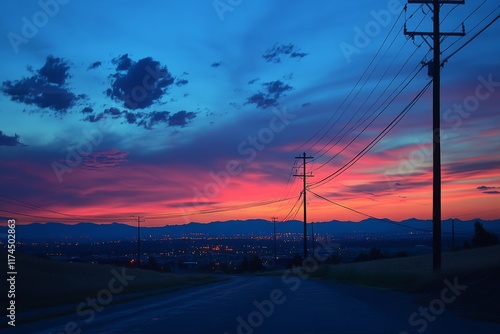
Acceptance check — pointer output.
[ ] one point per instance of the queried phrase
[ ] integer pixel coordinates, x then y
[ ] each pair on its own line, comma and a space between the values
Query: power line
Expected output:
382, 134
304, 175
470, 40
348, 95
386, 102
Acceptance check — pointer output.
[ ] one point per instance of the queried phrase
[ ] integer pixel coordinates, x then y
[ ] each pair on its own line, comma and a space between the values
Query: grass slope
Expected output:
43, 283
478, 269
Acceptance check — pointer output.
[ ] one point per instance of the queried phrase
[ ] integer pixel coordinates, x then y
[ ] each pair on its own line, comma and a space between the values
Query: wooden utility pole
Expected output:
435, 71
275, 256
139, 239
305, 176
453, 234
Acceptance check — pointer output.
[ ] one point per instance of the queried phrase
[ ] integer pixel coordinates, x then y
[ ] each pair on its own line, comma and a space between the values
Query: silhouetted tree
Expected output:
401, 254
375, 254
152, 263
335, 258
254, 264
483, 238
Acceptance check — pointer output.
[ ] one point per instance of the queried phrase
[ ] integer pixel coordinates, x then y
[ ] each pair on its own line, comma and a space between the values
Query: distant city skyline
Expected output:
177, 112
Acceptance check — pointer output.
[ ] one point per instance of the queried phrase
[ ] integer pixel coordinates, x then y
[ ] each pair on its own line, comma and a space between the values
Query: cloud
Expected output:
154, 118
181, 118
216, 64
46, 88
9, 140
93, 118
484, 188
272, 92
87, 110
113, 112
468, 167
251, 82
488, 190
94, 65
122, 63
275, 53
104, 159
139, 84
147, 120
131, 117
181, 82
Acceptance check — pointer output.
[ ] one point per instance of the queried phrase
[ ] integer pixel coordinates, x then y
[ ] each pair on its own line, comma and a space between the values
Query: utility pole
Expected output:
305, 176
275, 257
435, 71
139, 239
453, 234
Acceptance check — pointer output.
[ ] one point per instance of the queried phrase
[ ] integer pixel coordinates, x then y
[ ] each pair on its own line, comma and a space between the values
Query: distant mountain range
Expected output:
238, 228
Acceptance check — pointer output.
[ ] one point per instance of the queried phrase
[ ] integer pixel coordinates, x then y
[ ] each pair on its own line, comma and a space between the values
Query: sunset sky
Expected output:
182, 111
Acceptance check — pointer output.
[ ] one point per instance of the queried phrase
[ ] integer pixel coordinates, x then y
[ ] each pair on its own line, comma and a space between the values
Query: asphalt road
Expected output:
280, 304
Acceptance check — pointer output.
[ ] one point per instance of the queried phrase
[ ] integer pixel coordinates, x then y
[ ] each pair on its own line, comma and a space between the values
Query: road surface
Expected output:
278, 304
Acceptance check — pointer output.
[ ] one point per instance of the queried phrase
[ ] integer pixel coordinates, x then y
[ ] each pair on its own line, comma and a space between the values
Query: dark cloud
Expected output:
147, 120
104, 159
488, 190
87, 110
139, 84
131, 117
55, 71
122, 63
181, 82
307, 104
181, 118
298, 54
9, 140
216, 64
94, 65
154, 118
272, 92
251, 82
471, 167
46, 88
113, 112
93, 118
274, 54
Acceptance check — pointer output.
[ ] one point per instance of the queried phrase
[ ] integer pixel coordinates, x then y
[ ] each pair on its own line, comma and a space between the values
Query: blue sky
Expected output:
205, 77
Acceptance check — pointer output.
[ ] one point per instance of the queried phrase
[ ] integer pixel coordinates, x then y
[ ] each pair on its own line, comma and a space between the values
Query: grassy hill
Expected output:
478, 269
43, 283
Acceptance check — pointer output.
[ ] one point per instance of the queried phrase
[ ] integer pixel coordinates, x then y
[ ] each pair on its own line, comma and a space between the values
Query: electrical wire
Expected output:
368, 147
